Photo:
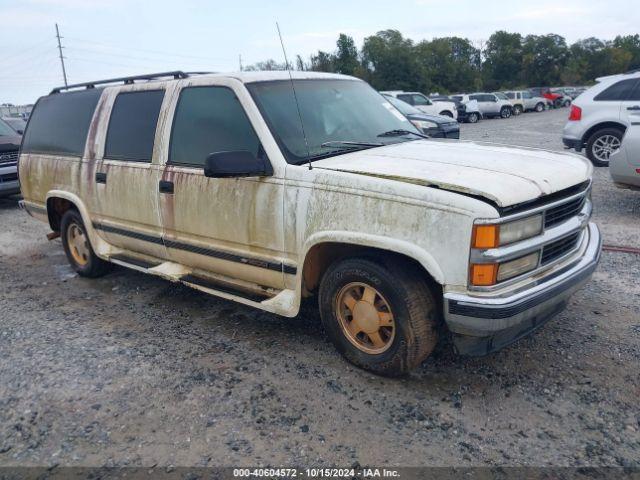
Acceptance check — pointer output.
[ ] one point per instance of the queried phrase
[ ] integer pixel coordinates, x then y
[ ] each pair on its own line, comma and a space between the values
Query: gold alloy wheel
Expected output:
78, 244
365, 318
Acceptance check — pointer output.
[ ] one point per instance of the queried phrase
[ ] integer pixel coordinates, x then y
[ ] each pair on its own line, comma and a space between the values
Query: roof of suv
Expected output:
245, 77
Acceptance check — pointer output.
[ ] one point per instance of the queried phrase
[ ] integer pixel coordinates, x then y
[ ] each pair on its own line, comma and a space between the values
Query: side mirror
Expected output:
240, 163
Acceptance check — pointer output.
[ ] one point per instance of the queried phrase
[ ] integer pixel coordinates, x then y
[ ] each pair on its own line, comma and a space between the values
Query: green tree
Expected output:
630, 44
450, 64
502, 60
323, 62
346, 57
389, 61
543, 59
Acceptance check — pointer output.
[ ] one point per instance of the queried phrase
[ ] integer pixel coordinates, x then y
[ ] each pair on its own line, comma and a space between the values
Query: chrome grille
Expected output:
8, 157
559, 214
559, 248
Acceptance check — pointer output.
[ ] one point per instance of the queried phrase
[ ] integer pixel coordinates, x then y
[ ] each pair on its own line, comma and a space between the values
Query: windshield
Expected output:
501, 96
332, 111
6, 130
404, 107
15, 123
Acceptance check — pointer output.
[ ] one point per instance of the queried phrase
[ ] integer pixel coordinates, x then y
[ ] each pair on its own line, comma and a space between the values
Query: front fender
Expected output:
376, 241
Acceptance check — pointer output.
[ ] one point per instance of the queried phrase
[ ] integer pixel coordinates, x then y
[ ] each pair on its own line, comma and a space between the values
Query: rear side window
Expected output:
132, 126
209, 120
59, 123
618, 91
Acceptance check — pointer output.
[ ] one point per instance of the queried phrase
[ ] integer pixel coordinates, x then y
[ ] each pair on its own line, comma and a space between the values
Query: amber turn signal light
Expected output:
484, 274
486, 236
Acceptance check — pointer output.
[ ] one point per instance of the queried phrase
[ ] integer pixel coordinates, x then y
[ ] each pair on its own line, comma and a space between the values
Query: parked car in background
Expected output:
555, 99
467, 112
624, 163
565, 98
396, 236
489, 105
9, 147
436, 126
600, 116
524, 101
422, 103
17, 123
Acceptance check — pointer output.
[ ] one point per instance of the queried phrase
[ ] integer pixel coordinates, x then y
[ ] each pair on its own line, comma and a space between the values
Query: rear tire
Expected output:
473, 117
77, 247
601, 144
566, 103
381, 317
517, 110
539, 107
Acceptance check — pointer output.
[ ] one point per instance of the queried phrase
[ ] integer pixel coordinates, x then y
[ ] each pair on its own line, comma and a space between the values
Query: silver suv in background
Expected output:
525, 101
600, 116
490, 105
424, 104
624, 164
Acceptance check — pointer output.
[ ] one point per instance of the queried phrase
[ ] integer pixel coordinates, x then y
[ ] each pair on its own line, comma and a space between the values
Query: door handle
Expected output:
101, 177
165, 186
635, 107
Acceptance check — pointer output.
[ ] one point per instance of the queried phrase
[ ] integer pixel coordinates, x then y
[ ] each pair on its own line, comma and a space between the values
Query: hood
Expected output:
504, 175
9, 143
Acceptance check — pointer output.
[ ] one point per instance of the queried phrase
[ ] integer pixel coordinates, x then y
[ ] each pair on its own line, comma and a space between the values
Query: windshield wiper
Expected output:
350, 144
400, 132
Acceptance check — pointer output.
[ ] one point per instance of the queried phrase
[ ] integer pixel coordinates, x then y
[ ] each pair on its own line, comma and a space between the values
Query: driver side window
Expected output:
420, 100
209, 120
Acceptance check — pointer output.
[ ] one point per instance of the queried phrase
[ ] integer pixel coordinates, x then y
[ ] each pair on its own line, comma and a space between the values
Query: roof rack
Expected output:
177, 74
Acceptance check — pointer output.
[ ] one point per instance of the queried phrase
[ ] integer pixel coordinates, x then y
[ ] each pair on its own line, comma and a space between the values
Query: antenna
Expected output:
295, 96
60, 47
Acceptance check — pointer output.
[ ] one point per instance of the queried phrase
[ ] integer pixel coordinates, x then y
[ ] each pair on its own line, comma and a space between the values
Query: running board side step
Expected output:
281, 302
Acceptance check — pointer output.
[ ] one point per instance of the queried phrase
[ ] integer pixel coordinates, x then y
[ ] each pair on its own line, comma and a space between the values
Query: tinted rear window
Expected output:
59, 123
132, 126
618, 91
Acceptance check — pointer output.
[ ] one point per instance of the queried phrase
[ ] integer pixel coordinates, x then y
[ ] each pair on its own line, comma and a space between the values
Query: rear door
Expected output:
126, 176
630, 106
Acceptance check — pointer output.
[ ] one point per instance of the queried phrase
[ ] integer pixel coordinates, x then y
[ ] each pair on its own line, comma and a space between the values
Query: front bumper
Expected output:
481, 325
9, 183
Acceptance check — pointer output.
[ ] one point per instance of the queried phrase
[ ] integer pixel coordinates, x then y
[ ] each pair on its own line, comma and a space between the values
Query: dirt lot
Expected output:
132, 370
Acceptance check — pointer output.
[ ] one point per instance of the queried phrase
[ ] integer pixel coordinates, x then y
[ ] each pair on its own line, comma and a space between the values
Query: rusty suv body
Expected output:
265, 189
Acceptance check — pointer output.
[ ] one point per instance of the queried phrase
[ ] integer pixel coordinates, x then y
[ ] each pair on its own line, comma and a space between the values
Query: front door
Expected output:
126, 177
231, 227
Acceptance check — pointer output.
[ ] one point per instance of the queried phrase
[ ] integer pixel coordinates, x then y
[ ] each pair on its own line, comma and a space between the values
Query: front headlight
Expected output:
424, 124
492, 236
517, 267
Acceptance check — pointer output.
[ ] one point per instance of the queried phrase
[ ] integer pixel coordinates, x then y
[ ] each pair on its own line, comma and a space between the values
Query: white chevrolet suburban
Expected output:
266, 189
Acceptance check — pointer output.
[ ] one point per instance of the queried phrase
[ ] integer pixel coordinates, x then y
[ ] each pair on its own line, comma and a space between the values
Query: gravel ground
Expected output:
130, 370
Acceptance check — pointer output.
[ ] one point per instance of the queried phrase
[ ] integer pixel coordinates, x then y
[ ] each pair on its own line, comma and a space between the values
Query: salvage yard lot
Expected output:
133, 370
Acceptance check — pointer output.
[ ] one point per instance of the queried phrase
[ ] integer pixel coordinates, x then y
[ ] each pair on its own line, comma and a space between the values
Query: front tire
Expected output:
381, 317
517, 110
539, 107
566, 103
473, 118
602, 144
505, 112
77, 247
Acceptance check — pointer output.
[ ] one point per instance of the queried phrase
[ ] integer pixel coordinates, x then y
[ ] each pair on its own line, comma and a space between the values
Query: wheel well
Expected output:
600, 126
320, 257
56, 208
447, 113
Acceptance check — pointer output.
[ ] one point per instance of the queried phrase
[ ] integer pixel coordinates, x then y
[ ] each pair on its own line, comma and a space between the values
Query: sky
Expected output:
110, 38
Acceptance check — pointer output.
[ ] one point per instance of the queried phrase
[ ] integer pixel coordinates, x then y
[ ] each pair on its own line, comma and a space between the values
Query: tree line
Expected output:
388, 60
